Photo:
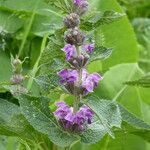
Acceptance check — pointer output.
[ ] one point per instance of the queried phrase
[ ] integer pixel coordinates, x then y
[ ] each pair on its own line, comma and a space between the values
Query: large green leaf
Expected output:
92, 21
37, 112
143, 81
135, 99
132, 119
134, 124
107, 112
9, 23
118, 35
113, 87
12, 123
123, 141
128, 135
94, 133
42, 15
142, 30
101, 53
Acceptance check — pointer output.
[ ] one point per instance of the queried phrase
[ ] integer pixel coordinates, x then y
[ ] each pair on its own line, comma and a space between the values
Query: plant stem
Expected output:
35, 68
27, 30
78, 84
26, 34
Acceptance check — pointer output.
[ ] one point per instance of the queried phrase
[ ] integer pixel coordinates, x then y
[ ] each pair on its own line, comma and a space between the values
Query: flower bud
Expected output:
17, 79
79, 62
72, 20
16, 64
75, 37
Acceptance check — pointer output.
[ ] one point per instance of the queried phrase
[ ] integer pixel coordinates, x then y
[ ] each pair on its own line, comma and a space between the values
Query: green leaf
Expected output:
100, 53
143, 82
97, 19
52, 58
134, 124
12, 123
42, 16
49, 83
94, 133
134, 98
5, 67
117, 35
37, 112
132, 119
142, 30
9, 23
107, 111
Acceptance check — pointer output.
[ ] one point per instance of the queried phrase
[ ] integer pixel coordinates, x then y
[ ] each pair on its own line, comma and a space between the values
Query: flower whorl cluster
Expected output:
76, 80
71, 121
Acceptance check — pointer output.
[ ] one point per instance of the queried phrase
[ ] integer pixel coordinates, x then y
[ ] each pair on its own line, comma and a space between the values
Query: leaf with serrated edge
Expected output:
38, 114
101, 53
107, 111
13, 123
94, 133
143, 82
132, 119
99, 19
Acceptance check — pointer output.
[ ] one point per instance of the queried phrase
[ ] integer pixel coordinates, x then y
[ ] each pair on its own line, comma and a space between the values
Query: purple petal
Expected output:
95, 78
61, 104
70, 51
63, 73
89, 48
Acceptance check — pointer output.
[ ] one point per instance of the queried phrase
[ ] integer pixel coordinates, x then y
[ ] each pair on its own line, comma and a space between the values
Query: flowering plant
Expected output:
68, 94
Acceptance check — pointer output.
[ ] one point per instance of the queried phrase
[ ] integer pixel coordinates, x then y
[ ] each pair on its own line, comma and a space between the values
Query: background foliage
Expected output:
27, 26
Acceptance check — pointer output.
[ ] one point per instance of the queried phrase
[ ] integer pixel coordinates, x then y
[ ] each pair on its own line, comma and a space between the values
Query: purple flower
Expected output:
82, 5
68, 75
95, 78
70, 51
89, 81
86, 112
89, 48
77, 2
62, 111
75, 122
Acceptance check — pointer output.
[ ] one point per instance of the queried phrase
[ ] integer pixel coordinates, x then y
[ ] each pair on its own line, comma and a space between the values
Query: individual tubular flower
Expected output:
74, 122
72, 20
74, 37
62, 111
70, 51
68, 76
89, 81
89, 48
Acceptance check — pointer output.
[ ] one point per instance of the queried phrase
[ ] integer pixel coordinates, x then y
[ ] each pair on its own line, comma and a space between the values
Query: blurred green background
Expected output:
23, 24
